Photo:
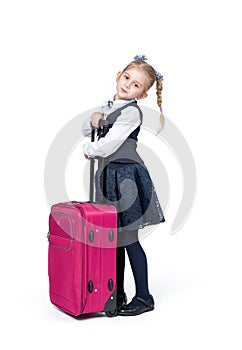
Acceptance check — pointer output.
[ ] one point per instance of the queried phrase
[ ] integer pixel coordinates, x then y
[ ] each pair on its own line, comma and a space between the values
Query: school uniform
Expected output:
125, 183
126, 180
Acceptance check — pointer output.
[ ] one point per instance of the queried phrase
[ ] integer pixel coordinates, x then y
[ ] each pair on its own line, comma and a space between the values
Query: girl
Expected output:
125, 179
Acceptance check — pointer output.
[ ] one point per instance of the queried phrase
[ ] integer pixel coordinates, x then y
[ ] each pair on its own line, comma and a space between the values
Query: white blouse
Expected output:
126, 123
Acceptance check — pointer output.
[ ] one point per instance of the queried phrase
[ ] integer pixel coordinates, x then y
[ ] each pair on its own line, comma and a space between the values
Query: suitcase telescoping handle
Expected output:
92, 163
102, 131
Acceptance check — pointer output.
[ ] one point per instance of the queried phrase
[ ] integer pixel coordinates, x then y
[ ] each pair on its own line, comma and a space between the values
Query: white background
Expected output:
60, 58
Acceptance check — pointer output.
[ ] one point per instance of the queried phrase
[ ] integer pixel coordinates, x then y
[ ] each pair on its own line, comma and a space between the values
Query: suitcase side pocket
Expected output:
64, 265
65, 274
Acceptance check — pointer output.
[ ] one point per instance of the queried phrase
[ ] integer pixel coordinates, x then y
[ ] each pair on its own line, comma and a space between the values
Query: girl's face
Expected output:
131, 84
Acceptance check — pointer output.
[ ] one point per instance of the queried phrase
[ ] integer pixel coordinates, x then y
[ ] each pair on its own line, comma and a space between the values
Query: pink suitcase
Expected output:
82, 256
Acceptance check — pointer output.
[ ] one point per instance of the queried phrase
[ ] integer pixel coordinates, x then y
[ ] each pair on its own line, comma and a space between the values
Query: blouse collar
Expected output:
110, 103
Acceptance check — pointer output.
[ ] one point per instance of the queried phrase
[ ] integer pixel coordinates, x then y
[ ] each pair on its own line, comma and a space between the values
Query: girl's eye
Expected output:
126, 77
136, 85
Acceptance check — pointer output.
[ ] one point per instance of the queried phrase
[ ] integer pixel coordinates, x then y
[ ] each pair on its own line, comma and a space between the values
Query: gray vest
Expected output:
126, 153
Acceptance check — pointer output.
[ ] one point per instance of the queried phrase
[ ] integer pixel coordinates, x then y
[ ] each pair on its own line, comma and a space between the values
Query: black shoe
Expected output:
121, 300
130, 310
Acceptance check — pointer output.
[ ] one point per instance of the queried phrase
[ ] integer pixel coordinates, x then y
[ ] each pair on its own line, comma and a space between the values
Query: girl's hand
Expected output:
86, 156
95, 119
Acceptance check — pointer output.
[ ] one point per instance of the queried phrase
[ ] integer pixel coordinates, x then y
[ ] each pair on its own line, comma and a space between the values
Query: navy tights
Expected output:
138, 261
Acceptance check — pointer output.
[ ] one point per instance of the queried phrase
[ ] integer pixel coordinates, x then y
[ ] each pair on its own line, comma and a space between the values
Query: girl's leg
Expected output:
138, 262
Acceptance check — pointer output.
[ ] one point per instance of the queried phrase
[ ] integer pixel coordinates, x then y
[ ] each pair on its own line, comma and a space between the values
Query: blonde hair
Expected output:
151, 78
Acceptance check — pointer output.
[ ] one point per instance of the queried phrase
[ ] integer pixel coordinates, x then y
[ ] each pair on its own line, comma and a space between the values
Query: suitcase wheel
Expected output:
111, 313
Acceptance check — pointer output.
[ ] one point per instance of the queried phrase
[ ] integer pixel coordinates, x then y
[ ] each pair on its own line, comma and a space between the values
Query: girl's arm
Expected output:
127, 122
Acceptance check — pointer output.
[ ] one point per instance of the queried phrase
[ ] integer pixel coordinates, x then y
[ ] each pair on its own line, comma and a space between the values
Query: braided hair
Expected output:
152, 76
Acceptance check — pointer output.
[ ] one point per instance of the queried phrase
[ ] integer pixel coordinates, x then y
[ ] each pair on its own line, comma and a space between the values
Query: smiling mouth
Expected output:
123, 90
